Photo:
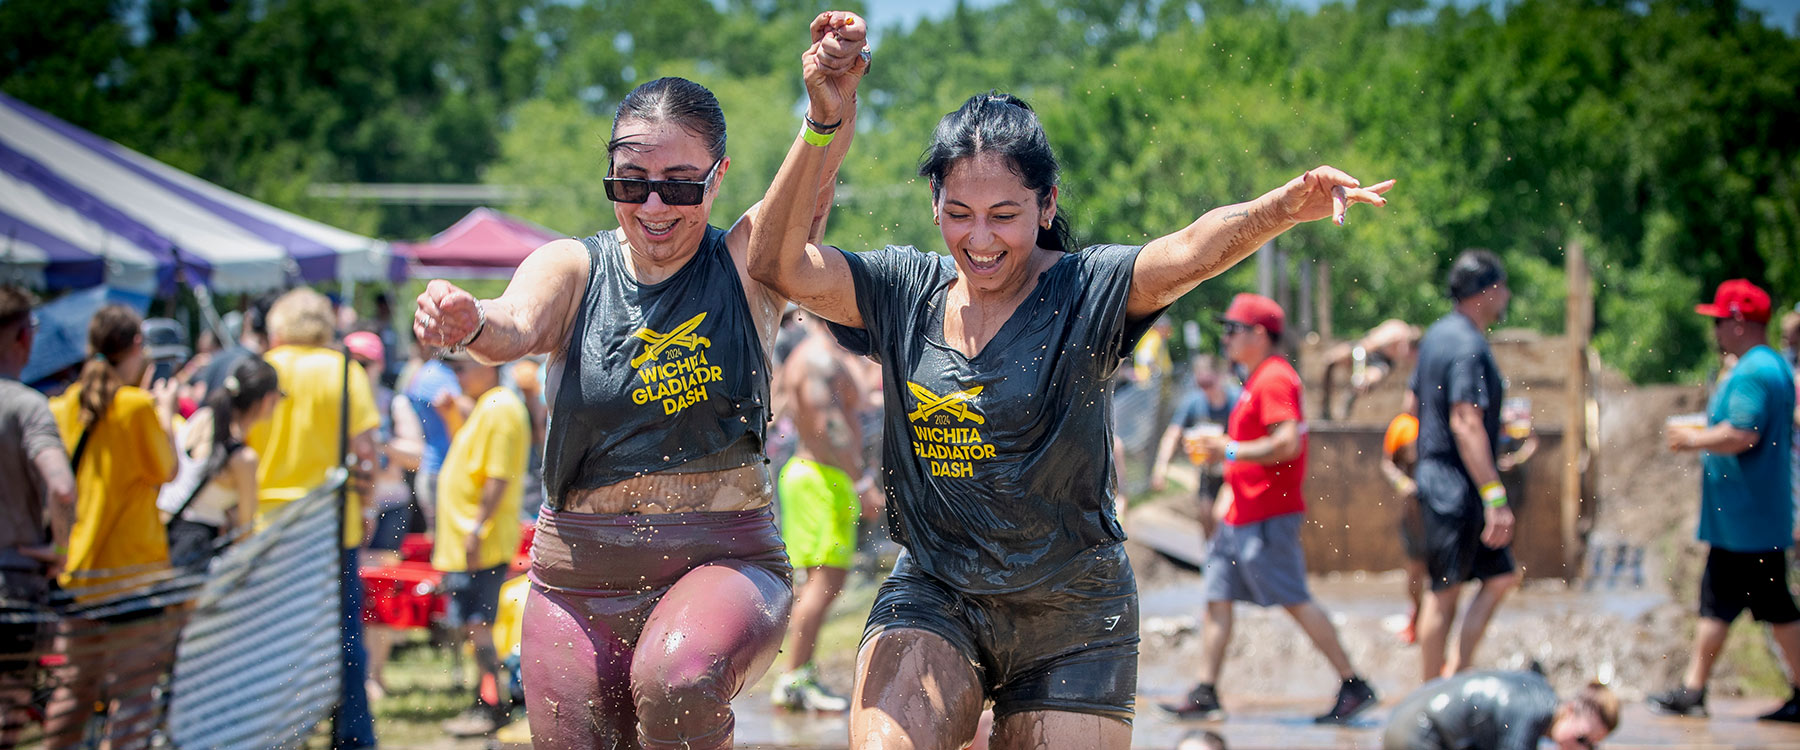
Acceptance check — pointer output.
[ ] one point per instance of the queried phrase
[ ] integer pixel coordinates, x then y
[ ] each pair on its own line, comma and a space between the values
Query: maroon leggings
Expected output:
639, 630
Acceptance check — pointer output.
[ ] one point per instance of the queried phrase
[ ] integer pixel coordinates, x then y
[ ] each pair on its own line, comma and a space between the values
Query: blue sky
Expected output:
886, 13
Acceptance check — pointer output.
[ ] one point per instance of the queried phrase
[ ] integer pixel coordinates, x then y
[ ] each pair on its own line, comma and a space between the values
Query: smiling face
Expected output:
658, 232
990, 222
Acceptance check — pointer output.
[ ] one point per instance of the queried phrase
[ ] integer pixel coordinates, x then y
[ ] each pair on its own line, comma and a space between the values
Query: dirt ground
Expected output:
1629, 625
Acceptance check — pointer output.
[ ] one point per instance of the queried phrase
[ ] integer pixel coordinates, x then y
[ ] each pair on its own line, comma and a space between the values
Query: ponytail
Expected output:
250, 381
112, 333
1057, 236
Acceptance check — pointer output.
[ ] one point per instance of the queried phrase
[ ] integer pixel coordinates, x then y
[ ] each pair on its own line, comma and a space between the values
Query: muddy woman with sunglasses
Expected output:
659, 586
998, 357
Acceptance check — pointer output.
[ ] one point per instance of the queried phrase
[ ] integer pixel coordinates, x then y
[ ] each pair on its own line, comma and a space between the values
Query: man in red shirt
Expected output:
1256, 556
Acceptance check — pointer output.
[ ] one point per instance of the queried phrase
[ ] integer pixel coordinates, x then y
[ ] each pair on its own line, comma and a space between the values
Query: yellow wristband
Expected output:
815, 137
1493, 495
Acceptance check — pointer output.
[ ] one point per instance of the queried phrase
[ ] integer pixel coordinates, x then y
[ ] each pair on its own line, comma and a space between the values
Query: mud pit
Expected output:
1627, 624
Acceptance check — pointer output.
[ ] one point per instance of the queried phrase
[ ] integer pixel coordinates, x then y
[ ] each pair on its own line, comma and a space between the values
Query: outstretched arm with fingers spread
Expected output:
1170, 266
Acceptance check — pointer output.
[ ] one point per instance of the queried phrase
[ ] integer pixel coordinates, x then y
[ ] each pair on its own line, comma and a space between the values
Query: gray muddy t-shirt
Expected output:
999, 467
26, 429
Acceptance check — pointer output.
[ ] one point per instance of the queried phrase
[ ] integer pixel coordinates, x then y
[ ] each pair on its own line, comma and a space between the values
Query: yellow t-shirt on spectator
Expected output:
298, 444
492, 444
128, 456
1150, 358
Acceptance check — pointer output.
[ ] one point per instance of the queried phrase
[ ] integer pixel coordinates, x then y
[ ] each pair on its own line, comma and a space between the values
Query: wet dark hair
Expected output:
676, 100
250, 381
1473, 272
1002, 124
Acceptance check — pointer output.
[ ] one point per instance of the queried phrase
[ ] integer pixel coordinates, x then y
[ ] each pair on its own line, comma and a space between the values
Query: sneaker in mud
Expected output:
800, 691
1354, 697
1202, 704
1680, 701
1789, 711
477, 720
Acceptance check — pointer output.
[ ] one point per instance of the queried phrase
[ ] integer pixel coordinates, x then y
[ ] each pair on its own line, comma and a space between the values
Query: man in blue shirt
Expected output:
1210, 402
1746, 515
433, 391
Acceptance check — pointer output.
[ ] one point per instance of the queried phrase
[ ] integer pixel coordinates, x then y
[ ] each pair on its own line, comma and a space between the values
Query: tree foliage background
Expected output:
1663, 135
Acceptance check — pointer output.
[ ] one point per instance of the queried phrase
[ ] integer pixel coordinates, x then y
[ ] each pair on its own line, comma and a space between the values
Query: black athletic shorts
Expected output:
1068, 644
474, 595
1453, 520
1757, 581
1412, 530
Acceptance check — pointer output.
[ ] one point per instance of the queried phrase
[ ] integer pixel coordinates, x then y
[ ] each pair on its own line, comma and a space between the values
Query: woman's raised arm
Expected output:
784, 254
1171, 266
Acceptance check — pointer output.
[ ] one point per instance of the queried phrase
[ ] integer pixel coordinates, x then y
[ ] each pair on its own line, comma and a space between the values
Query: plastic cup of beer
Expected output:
1516, 413
1194, 439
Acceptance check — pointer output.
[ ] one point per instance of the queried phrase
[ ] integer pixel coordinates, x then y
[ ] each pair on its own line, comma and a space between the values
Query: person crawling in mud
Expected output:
1497, 710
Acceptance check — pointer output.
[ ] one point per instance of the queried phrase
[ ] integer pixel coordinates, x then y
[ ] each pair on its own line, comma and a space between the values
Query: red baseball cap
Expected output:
366, 345
1256, 310
1738, 298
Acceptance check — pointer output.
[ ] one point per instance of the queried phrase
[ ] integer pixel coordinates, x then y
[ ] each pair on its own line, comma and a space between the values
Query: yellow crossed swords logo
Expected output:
954, 403
683, 335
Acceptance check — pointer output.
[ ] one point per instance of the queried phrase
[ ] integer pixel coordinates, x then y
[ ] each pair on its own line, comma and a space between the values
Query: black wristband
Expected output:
822, 128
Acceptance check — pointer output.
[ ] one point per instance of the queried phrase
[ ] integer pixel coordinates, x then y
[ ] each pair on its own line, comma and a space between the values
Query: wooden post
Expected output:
1578, 322
1304, 300
1265, 270
1322, 305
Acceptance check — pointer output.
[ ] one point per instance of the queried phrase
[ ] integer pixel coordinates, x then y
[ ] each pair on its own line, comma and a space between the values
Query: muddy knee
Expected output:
682, 703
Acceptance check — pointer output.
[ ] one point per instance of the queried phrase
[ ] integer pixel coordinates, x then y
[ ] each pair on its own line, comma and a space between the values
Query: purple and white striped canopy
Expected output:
77, 210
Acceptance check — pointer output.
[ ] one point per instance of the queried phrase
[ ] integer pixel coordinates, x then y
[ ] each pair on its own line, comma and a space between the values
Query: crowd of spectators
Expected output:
154, 458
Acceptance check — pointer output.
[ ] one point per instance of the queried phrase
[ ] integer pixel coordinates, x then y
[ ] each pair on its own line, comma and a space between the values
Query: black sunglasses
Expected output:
673, 192
1234, 327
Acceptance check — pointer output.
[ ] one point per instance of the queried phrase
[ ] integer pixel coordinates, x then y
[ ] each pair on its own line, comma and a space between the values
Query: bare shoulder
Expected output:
566, 255
817, 359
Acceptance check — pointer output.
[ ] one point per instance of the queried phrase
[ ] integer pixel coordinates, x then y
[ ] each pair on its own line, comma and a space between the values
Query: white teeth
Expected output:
985, 259
658, 227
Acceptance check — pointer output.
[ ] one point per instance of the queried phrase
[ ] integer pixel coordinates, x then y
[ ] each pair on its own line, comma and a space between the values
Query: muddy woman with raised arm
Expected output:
659, 586
1013, 586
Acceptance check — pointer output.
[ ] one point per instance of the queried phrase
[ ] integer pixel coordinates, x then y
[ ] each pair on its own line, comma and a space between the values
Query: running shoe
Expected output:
1354, 697
800, 690
1789, 711
1202, 704
1680, 701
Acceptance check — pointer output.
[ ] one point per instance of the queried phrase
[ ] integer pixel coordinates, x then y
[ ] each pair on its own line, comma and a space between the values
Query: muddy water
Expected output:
1274, 681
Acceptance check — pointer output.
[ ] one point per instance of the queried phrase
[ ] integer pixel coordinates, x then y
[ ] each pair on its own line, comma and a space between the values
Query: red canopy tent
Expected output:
483, 244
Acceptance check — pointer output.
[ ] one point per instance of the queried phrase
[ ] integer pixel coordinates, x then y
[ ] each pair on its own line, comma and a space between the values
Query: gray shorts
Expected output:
1261, 563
